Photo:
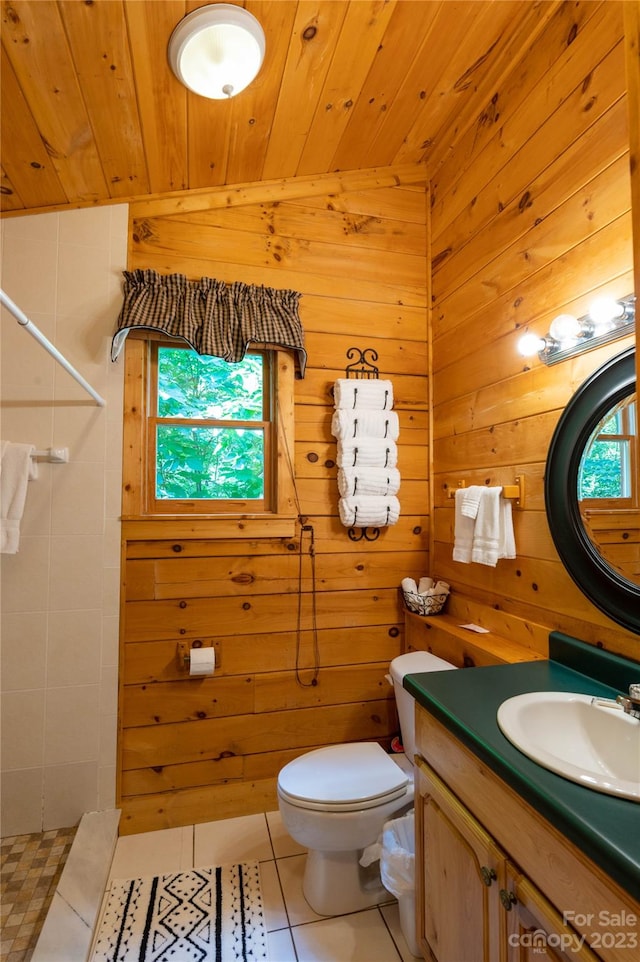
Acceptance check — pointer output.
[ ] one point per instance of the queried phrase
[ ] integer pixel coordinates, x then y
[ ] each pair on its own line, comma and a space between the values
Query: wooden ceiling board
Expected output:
315, 33
33, 36
103, 65
431, 82
162, 101
346, 85
9, 194
349, 68
28, 153
401, 46
254, 111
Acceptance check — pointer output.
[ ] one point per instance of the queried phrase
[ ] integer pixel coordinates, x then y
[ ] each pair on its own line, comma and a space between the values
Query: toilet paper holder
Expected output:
183, 649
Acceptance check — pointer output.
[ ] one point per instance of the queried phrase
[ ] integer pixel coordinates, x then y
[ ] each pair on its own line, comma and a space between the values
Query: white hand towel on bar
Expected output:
361, 393
354, 425
363, 512
493, 533
367, 453
471, 500
463, 531
16, 467
370, 481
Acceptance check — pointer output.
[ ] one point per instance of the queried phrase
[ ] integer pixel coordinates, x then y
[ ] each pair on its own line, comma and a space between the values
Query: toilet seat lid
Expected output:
358, 774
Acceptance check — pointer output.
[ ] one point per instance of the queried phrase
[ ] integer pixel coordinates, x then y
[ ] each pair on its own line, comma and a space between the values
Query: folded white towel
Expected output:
493, 536
364, 512
471, 500
360, 393
16, 466
355, 425
370, 481
367, 453
463, 531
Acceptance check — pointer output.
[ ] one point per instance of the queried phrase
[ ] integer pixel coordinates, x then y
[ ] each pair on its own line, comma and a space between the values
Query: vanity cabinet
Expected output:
493, 878
478, 906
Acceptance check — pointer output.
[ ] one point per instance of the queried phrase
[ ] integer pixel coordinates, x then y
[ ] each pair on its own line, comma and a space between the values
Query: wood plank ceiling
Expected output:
91, 112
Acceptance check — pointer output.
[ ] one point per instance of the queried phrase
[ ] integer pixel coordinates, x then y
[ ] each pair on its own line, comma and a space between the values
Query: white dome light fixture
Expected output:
217, 50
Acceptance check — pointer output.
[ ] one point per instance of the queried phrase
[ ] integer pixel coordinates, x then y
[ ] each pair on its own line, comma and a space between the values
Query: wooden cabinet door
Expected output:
535, 930
461, 871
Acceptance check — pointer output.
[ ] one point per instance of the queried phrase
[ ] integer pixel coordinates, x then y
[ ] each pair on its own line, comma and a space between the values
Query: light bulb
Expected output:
603, 311
530, 344
565, 327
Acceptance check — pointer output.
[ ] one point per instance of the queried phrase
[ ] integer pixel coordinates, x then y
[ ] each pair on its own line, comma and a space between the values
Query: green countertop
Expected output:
604, 827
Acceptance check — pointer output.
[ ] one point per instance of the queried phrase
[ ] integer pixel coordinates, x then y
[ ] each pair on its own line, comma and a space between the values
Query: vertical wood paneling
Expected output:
35, 41
273, 607
162, 100
528, 222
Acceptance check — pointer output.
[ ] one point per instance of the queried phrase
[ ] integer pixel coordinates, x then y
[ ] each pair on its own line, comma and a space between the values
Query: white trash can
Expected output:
398, 872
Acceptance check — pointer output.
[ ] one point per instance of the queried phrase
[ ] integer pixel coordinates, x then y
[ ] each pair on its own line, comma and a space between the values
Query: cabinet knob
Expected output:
508, 899
488, 875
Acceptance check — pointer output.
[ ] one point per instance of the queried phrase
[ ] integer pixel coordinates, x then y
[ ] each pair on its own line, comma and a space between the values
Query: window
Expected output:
213, 438
209, 431
608, 465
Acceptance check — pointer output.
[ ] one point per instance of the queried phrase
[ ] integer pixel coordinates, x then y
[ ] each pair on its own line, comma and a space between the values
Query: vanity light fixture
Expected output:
217, 50
607, 320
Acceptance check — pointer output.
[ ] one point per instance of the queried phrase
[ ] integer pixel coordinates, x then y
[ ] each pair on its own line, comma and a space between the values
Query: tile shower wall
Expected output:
60, 593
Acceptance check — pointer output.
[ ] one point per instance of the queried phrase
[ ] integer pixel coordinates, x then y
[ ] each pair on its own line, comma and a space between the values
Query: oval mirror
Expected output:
591, 490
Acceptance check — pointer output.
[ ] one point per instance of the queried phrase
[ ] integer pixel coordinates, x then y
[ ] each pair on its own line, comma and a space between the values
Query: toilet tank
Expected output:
409, 664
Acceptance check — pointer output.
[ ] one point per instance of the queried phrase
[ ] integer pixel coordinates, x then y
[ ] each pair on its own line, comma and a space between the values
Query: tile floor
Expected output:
31, 868
295, 932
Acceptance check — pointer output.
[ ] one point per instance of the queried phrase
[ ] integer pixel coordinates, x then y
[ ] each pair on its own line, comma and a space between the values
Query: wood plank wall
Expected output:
531, 217
192, 750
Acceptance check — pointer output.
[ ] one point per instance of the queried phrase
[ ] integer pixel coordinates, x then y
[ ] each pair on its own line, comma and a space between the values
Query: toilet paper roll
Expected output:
202, 661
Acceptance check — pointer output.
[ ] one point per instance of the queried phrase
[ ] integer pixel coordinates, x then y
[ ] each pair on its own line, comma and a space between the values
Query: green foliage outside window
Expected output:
601, 473
607, 468
198, 459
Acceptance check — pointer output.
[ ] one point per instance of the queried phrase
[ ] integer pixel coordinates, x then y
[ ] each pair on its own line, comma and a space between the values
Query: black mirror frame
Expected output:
606, 387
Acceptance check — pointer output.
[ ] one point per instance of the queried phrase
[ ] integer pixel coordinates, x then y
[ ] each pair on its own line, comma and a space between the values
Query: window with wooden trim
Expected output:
608, 467
214, 438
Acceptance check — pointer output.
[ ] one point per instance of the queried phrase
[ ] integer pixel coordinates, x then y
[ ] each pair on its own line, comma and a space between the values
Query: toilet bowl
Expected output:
335, 800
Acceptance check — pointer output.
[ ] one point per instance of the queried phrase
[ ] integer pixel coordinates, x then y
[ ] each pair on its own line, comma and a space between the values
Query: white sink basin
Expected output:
587, 740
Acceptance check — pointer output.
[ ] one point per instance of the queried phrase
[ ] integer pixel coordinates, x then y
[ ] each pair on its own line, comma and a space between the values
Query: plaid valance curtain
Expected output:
213, 317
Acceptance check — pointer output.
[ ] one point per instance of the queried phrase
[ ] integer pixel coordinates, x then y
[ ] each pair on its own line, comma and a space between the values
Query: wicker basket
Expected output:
424, 604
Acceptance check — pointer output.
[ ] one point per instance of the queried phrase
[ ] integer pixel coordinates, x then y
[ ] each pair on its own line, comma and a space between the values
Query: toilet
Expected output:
334, 801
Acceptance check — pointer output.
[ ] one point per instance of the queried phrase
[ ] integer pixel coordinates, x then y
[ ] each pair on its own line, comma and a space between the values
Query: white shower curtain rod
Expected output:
29, 326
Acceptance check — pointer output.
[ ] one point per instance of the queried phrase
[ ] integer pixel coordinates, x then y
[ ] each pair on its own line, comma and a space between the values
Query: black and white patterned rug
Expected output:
203, 915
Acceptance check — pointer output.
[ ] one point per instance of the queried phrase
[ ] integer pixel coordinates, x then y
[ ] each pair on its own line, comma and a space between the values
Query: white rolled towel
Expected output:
370, 393
408, 584
424, 585
354, 425
367, 453
370, 481
364, 512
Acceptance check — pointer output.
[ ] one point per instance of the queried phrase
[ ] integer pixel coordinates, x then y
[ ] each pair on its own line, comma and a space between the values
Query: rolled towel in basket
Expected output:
364, 512
355, 425
367, 453
361, 393
370, 481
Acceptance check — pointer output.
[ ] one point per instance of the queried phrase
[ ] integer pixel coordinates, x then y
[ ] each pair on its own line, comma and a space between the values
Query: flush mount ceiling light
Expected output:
607, 320
216, 51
